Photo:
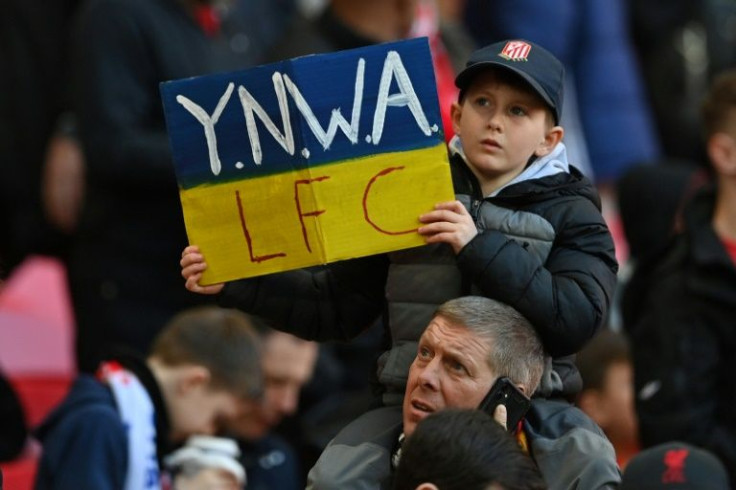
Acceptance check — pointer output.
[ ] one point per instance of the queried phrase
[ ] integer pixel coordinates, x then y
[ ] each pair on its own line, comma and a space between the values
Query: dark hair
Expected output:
464, 450
719, 103
605, 349
222, 340
515, 348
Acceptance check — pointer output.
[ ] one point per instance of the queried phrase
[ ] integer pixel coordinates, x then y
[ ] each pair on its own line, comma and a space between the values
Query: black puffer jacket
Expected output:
681, 315
553, 261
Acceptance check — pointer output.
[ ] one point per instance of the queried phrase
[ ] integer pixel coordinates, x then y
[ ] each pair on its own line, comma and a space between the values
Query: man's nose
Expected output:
429, 377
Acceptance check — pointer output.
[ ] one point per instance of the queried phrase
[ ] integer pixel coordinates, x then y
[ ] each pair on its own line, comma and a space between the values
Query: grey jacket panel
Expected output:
571, 451
359, 457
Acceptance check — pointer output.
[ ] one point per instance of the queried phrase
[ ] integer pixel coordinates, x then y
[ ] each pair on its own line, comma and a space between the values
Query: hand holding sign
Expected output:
261, 196
449, 223
192, 266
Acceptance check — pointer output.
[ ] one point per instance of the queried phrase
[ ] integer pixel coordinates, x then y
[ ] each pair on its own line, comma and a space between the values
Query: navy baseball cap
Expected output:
537, 66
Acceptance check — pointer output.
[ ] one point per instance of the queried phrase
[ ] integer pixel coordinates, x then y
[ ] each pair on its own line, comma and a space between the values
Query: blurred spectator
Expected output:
681, 46
648, 212
608, 391
112, 431
608, 126
649, 215
287, 363
464, 450
347, 24
675, 466
123, 269
680, 312
33, 46
254, 26
13, 431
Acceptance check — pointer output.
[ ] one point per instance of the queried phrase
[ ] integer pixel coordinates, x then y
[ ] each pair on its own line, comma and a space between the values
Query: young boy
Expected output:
112, 431
526, 230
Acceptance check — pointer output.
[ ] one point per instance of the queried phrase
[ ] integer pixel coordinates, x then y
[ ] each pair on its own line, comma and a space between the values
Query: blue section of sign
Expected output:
316, 84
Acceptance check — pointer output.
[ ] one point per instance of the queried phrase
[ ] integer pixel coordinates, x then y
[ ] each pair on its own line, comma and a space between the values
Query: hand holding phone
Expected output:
504, 392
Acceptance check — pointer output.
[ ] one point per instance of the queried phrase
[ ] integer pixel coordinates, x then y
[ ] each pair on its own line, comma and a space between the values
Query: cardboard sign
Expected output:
310, 160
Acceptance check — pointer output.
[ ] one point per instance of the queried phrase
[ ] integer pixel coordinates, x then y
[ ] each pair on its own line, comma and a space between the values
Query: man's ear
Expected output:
456, 111
192, 378
551, 138
523, 389
427, 486
722, 153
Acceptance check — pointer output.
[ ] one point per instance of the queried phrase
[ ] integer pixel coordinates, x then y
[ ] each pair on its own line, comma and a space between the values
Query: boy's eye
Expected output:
482, 101
518, 111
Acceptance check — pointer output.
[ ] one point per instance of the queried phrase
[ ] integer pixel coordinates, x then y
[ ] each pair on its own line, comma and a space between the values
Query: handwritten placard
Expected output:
310, 160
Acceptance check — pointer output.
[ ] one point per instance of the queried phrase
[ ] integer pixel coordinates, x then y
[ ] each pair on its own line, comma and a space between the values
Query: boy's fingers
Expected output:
192, 258
437, 227
196, 268
190, 249
192, 282
439, 215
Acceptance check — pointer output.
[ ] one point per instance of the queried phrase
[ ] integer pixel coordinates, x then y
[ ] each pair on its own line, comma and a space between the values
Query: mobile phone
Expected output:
504, 392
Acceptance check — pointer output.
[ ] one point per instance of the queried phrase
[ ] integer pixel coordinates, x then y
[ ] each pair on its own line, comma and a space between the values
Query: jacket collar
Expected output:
552, 164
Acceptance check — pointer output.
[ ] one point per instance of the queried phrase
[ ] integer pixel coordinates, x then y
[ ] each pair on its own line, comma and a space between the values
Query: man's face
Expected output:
618, 415
287, 365
450, 371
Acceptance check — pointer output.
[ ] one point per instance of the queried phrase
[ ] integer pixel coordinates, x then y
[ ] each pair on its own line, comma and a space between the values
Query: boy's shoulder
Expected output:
571, 195
88, 405
564, 197
84, 440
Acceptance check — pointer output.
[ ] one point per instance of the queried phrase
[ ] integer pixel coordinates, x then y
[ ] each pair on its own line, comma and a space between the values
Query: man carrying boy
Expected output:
112, 431
470, 343
526, 229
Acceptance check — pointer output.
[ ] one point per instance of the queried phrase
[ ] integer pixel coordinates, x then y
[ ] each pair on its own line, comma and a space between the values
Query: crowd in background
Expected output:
87, 178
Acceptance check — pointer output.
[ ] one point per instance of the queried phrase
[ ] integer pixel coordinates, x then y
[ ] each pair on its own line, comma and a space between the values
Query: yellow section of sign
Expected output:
302, 218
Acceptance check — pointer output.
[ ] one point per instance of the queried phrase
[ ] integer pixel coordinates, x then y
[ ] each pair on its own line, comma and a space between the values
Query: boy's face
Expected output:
199, 409
501, 126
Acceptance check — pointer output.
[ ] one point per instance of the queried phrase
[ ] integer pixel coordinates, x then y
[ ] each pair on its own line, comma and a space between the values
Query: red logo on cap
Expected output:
675, 462
515, 51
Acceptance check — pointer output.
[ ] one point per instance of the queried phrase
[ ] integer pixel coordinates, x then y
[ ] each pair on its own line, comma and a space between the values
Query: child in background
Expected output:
112, 431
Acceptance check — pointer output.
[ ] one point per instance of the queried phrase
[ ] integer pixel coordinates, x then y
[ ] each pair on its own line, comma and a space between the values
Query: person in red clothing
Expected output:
680, 306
